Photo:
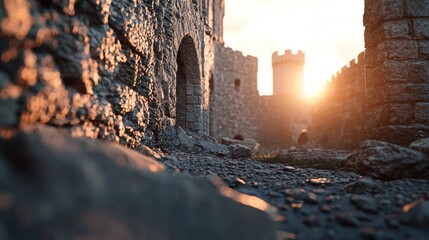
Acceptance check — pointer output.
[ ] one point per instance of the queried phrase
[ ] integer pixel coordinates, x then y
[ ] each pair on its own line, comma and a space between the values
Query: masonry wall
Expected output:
101, 69
234, 96
397, 69
339, 114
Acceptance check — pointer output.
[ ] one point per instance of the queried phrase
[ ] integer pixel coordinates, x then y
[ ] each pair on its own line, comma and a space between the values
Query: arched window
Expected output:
237, 84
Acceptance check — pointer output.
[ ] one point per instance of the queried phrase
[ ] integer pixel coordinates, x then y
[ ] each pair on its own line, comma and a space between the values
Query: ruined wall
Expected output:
397, 69
338, 114
234, 95
274, 121
102, 69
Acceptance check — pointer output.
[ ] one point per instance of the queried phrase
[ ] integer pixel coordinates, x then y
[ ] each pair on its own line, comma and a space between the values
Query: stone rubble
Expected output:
342, 205
388, 161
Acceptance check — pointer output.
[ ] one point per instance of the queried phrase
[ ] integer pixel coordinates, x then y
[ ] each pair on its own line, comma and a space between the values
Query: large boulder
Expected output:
248, 142
55, 187
421, 145
388, 161
206, 144
239, 151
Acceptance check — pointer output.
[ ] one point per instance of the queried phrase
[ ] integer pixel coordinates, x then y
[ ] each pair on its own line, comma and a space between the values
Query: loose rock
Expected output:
388, 161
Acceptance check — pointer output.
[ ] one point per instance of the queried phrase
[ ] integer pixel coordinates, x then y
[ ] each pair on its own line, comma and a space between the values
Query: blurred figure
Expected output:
303, 138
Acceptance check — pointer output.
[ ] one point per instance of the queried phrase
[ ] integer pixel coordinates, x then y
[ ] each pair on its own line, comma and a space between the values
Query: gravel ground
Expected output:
320, 204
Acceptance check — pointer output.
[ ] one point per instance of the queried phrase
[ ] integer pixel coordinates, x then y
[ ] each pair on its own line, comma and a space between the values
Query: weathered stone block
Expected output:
424, 49
193, 100
416, 8
190, 89
399, 134
409, 71
401, 49
375, 96
422, 113
377, 11
394, 49
377, 116
421, 28
401, 114
375, 77
396, 29
405, 93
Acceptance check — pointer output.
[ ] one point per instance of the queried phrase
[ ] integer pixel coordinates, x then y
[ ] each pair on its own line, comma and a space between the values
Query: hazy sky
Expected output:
330, 32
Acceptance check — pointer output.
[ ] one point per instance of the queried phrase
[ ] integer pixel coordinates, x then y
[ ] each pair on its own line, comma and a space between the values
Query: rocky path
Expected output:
321, 204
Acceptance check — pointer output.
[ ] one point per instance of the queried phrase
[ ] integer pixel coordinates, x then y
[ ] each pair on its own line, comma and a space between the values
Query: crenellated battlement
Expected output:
356, 62
288, 57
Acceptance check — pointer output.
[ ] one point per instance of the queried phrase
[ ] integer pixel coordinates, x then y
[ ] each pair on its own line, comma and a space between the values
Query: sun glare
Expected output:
329, 38
318, 70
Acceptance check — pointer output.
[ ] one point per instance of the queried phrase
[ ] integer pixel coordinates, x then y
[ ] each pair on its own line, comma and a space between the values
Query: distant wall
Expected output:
338, 116
102, 69
234, 96
397, 70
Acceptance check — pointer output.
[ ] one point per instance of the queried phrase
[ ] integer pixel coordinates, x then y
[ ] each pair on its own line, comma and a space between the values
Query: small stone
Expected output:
391, 223
289, 169
368, 233
319, 181
364, 203
347, 219
312, 198
240, 181
417, 214
326, 208
274, 194
311, 221
331, 198
296, 205
363, 186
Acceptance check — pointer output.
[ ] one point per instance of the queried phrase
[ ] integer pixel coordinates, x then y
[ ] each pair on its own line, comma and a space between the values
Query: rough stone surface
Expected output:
239, 151
323, 211
396, 70
250, 143
107, 69
53, 186
185, 140
364, 186
212, 147
388, 161
364, 203
421, 145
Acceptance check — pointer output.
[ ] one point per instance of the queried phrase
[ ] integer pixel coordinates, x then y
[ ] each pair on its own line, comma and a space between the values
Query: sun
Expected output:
318, 70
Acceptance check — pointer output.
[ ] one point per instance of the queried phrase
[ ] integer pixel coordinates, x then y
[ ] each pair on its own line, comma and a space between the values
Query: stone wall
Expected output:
397, 69
105, 69
234, 95
338, 114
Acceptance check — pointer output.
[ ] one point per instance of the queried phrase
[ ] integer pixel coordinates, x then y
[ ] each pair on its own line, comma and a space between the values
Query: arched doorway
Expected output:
189, 112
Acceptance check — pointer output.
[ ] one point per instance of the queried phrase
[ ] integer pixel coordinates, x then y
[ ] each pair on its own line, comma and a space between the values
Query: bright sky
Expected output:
330, 32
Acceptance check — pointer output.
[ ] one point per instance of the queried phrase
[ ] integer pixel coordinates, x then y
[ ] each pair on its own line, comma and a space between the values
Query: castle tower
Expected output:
288, 73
